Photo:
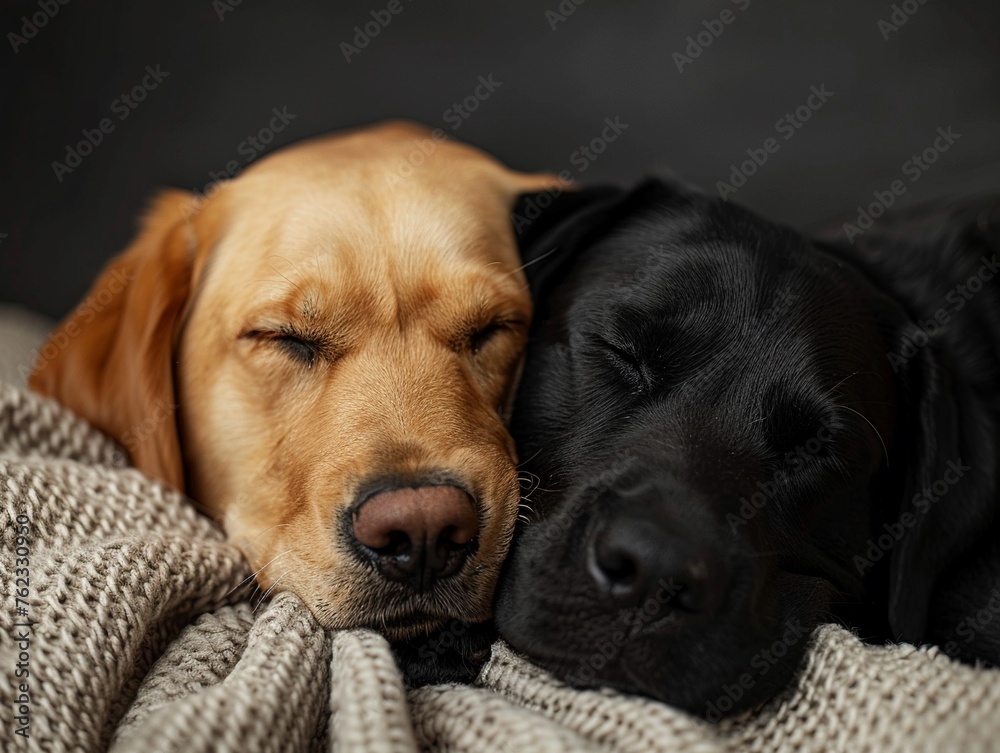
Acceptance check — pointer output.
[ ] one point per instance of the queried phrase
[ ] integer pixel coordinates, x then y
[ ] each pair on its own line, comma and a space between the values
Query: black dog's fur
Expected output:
688, 355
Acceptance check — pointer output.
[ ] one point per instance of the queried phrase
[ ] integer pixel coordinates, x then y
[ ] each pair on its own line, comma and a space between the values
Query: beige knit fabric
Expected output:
146, 640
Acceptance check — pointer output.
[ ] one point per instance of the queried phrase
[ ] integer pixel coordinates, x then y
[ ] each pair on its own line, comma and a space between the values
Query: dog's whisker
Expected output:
529, 459
545, 489
258, 571
275, 557
270, 588
527, 492
252, 575
877, 433
241, 583
529, 476
536, 485
536, 260
849, 376
267, 530
290, 262
277, 272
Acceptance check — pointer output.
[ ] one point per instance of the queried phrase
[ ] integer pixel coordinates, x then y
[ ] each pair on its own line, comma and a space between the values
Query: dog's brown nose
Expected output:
417, 535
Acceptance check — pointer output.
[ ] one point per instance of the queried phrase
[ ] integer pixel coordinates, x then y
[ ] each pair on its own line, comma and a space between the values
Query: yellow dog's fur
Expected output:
409, 292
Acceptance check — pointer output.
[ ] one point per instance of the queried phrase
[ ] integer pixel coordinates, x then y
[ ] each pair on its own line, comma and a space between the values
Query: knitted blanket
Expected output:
128, 623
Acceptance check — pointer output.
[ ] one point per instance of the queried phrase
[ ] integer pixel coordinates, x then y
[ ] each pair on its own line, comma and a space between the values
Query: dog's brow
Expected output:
298, 309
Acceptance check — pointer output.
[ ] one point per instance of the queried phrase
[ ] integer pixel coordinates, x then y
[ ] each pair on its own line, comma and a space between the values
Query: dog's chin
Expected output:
401, 616
400, 624
649, 666
732, 664
406, 627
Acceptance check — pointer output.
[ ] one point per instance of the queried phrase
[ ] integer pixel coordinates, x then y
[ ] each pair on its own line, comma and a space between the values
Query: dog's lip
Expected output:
409, 618
410, 624
407, 625
426, 615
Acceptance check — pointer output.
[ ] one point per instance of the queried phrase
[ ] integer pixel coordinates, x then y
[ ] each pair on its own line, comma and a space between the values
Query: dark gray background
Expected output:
609, 58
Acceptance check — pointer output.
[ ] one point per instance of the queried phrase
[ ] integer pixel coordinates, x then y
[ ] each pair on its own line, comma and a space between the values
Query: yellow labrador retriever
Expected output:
321, 354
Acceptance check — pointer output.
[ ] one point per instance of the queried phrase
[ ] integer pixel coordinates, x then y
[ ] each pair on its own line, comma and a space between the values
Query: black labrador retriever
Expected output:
736, 433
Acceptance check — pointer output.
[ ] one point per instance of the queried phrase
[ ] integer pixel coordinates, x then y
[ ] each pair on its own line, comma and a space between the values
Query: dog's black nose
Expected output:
634, 558
417, 535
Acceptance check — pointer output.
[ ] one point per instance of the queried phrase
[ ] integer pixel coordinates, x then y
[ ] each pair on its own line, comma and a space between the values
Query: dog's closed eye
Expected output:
479, 339
299, 347
627, 363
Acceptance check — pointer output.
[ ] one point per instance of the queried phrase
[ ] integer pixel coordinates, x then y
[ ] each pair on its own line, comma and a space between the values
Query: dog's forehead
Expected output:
385, 166
317, 247
313, 201
746, 293
328, 245
705, 252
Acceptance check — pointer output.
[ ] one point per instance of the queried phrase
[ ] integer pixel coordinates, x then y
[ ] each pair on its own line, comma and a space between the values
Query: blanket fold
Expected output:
142, 631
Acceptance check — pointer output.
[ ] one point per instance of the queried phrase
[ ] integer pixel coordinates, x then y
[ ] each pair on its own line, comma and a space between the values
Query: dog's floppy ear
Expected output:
553, 227
111, 360
947, 485
941, 488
